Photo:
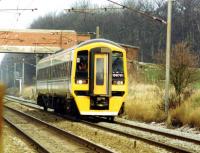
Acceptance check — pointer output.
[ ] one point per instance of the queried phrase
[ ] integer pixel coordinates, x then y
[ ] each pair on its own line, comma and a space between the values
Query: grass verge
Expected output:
142, 103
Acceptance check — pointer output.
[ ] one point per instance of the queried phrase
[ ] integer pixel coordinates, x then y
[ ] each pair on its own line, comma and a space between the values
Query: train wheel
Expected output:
63, 106
44, 102
57, 105
110, 118
45, 108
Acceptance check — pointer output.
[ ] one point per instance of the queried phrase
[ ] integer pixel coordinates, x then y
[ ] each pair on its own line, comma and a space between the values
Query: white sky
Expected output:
23, 19
12, 19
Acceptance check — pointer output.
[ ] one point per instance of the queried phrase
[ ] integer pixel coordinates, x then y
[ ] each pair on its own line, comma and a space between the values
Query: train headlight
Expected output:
118, 82
81, 81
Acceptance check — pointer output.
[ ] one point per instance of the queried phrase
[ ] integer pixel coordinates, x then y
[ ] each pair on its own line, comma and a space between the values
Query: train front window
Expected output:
82, 67
117, 68
117, 62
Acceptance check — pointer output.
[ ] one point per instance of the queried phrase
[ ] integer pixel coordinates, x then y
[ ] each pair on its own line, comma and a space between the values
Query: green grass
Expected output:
151, 73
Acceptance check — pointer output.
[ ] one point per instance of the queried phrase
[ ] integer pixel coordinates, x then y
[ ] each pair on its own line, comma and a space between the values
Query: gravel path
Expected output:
114, 141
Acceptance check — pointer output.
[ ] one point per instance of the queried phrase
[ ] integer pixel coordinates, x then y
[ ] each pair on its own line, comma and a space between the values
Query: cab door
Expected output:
101, 74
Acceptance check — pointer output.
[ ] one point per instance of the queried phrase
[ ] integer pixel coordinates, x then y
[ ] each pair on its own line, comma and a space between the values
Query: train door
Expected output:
100, 74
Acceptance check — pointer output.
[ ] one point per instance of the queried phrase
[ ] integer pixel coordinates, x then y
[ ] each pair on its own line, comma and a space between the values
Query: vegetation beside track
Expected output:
145, 100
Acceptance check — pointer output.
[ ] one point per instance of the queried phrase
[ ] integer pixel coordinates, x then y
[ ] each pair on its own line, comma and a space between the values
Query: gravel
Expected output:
15, 143
188, 145
110, 140
49, 139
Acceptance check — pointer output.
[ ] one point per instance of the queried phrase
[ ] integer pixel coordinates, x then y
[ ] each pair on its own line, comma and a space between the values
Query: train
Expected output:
89, 79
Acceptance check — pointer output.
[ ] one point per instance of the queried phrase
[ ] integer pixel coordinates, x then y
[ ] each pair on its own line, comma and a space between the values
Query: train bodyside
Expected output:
90, 79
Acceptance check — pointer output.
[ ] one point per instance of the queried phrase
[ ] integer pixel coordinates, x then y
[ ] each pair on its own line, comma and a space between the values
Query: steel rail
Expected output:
139, 137
142, 138
39, 147
160, 132
157, 131
89, 144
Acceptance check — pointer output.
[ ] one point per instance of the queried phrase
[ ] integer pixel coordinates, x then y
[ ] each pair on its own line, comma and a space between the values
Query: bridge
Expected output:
38, 40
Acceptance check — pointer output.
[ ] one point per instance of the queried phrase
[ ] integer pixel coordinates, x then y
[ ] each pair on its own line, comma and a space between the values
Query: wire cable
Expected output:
141, 12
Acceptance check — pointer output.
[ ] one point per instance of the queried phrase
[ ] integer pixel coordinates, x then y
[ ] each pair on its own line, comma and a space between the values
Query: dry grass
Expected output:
187, 113
29, 92
142, 103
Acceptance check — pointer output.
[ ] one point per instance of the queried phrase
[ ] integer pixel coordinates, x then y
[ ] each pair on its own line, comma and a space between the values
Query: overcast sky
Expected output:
23, 19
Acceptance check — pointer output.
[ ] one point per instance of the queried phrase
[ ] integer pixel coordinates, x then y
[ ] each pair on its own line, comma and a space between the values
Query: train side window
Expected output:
52, 71
67, 69
46, 73
56, 71
41, 74
38, 75
61, 70
49, 73
64, 69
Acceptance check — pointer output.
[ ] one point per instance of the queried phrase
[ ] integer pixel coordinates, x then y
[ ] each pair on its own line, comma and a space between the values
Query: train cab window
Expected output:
117, 68
82, 67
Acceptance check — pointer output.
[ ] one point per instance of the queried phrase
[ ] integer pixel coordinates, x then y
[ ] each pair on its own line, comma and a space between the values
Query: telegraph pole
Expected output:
168, 48
22, 74
97, 32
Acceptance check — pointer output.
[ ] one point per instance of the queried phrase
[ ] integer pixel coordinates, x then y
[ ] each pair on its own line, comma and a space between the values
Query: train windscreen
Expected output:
82, 67
117, 68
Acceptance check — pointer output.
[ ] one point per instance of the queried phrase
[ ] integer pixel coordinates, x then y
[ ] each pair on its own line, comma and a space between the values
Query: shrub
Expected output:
187, 113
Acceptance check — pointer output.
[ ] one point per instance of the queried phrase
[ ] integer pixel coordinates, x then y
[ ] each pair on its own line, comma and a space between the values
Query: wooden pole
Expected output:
168, 48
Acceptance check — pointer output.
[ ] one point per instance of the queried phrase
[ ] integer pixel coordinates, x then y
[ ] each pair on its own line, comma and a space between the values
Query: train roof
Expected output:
98, 40
89, 42
82, 44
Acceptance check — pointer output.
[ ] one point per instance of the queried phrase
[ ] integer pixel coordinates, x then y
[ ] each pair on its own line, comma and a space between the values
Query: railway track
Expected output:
39, 147
47, 137
167, 137
119, 128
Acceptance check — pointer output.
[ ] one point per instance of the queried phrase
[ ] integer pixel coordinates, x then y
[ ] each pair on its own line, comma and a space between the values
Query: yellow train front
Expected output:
88, 79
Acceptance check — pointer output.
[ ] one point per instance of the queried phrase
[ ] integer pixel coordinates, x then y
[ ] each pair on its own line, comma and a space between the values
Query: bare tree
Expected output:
183, 67
183, 71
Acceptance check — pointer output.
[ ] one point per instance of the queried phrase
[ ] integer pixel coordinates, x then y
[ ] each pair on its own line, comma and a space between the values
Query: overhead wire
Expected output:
141, 12
90, 10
